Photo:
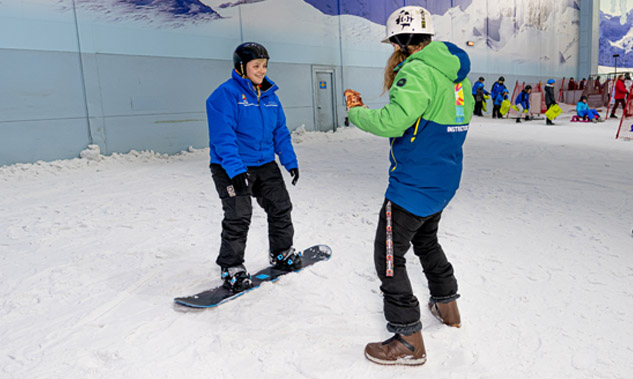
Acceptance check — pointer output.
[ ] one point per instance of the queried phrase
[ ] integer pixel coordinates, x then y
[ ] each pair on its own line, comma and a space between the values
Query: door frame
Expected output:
330, 70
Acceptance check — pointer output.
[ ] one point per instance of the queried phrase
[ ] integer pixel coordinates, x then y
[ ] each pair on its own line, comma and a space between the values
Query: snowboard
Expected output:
220, 294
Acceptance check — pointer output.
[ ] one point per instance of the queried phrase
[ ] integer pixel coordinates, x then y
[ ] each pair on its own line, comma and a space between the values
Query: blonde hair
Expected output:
395, 59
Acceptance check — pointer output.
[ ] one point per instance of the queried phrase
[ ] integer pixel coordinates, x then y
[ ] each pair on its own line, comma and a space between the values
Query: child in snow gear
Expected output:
479, 93
584, 112
498, 100
426, 120
523, 99
247, 127
550, 98
497, 88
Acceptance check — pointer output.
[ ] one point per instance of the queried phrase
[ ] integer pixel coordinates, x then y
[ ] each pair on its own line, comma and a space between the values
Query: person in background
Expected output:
479, 93
619, 96
523, 99
586, 113
597, 85
550, 98
572, 85
426, 121
496, 109
581, 86
627, 83
247, 128
497, 87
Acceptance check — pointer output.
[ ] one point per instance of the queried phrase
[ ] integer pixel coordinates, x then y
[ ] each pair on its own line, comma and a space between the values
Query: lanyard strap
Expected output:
389, 241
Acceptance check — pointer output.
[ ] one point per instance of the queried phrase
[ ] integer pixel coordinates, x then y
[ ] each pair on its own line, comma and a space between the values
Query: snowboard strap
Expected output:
389, 241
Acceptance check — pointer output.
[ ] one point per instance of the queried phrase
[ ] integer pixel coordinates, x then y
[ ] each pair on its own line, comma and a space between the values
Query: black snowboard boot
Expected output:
236, 278
289, 259
548, 122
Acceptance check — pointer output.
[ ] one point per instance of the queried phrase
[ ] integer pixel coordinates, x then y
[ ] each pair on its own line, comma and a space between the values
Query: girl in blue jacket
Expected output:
247, 128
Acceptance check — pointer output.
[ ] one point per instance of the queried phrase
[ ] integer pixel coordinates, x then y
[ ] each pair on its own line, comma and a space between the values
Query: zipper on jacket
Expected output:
395, 162
261, 113
415, 131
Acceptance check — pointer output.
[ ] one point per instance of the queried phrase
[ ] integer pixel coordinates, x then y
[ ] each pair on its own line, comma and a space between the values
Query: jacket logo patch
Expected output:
401, 82
459, 104
459, 94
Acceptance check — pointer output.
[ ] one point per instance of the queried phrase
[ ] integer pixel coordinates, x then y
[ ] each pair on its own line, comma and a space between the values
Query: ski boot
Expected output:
288, 260
236, 278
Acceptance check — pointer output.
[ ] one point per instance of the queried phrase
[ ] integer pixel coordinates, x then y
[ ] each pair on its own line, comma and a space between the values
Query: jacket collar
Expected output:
267, 87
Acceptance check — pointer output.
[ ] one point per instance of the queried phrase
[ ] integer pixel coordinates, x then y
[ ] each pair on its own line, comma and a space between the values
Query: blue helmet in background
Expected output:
551, 81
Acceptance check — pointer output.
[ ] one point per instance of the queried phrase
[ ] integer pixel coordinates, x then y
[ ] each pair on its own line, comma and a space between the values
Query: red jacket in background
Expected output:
620, 90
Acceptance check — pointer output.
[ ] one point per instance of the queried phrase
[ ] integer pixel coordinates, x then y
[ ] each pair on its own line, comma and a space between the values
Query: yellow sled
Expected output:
484, 104
553, 112
505, 107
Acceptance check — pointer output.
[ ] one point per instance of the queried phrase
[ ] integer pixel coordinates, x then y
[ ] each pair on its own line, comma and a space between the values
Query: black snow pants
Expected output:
478, 105
401, 307
267, 186
496, 111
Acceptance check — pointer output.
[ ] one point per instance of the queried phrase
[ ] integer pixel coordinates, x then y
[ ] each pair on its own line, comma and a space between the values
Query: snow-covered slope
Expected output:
93, 251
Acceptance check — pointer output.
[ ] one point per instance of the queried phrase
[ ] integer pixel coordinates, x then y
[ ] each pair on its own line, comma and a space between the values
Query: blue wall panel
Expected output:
46, 140
131, 74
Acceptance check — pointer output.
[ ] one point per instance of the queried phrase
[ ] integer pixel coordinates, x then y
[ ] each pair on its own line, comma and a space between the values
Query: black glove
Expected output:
294, 172
240, 184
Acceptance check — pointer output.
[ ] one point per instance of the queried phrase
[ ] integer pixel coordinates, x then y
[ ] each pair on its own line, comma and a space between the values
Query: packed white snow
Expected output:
93, 251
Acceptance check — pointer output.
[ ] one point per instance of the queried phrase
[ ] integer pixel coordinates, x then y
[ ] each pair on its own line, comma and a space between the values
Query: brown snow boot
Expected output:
398, 350
446, 312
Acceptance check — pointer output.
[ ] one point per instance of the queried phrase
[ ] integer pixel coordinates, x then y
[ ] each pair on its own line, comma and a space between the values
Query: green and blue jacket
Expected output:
426, 121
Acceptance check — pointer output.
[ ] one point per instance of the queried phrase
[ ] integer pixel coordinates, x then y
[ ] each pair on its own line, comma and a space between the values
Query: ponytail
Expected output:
397, 57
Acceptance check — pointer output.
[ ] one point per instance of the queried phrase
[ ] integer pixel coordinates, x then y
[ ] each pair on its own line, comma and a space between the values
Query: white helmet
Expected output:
409, 20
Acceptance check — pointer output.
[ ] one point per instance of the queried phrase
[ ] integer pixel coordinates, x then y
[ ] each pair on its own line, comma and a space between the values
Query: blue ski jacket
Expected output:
247, 128
500, 97
477, 86
523, 99
497, 88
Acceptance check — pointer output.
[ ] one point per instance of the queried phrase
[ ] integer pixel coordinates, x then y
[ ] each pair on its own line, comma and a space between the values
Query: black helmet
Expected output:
528, 87
481, 79
247, 52
501, 79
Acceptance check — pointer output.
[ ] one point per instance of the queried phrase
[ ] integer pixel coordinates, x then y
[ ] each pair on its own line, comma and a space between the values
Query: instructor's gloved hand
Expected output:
353, 99
294, 172
240, 183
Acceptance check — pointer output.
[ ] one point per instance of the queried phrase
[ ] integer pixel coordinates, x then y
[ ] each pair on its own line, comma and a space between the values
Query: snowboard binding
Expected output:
288, 260
236, 278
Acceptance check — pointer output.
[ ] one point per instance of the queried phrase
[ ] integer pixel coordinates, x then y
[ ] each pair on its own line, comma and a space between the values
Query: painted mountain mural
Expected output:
616, 37
169, 12
378, 11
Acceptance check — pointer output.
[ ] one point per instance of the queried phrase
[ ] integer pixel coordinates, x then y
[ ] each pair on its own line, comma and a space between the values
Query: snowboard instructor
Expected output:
426, 121
247, 127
